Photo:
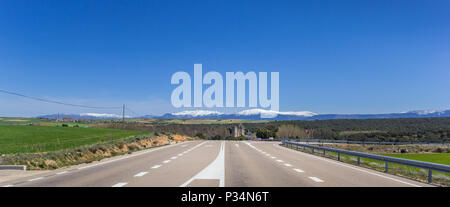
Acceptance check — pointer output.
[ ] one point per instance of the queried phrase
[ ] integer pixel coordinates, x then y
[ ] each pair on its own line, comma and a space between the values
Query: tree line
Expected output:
392, 130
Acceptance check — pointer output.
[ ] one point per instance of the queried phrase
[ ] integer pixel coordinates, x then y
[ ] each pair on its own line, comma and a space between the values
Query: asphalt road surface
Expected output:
215, 164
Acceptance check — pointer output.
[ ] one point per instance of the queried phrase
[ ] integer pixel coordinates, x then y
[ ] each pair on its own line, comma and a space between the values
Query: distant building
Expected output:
239, 130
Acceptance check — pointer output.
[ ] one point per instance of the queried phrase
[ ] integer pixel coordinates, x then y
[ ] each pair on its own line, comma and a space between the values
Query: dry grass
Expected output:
88, 154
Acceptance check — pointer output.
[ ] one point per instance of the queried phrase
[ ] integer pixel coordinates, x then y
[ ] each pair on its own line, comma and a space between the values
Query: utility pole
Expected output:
123, 114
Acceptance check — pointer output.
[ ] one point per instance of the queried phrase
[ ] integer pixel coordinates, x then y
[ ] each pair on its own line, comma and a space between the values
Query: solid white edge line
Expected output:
63, 172
34, 179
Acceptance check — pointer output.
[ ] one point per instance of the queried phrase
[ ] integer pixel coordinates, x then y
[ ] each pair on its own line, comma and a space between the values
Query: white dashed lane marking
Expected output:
316, 179
280, 161
298, 170
156, 166
167, 161
173, 158
6, 186
140, 174
288, 165
119, 184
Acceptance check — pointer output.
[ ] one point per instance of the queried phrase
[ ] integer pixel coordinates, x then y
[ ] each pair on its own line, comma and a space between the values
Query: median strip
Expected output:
214, 171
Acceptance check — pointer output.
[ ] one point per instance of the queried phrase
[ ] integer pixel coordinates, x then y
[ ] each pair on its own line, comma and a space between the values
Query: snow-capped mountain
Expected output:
251, 114
273, 113
261, 114
197, 113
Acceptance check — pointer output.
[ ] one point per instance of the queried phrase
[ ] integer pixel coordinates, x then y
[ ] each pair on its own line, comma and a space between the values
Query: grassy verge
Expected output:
415, 173
32, 139
90, 153
440, 158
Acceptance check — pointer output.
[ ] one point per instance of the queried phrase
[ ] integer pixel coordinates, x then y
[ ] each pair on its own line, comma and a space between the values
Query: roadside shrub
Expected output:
439, 150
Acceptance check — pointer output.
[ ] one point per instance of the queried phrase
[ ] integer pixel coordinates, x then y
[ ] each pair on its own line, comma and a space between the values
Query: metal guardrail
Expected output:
413, 163
13, 167
369, 143
332, 141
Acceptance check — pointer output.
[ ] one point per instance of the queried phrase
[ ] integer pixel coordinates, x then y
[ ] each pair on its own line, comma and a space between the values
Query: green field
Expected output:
29, 139
440, 158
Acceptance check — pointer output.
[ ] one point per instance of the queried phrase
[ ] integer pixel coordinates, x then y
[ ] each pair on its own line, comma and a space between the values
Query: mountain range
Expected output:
256, 114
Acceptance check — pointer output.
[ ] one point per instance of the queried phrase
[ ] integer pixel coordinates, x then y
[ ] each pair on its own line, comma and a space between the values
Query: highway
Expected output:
214, 164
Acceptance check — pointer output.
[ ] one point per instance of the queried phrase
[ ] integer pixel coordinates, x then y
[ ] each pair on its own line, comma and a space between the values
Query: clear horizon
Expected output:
347, 57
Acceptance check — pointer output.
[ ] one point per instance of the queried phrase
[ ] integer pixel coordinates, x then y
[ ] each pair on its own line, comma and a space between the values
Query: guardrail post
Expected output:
304, 148
324, 152
359, 161
297, 147
313, 150
430, 176
386, 167
339, 156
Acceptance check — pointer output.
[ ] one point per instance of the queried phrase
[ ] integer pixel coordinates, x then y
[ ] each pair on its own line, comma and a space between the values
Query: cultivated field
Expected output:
30, 139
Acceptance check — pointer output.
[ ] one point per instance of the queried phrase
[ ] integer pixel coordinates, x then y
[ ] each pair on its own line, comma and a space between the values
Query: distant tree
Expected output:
290, 131
200, 135
263, 133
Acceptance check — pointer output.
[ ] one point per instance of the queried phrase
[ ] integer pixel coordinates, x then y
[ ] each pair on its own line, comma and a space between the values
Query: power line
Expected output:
56, 102
134, 113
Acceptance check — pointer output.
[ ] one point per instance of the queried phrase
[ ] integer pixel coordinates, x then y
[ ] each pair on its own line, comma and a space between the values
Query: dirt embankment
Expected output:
88, 154
389, 149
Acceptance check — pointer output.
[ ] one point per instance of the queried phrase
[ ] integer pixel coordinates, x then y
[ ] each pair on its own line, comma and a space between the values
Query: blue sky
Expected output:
333, 56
